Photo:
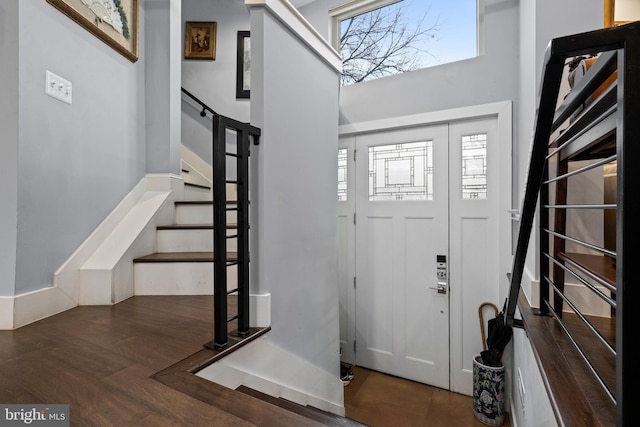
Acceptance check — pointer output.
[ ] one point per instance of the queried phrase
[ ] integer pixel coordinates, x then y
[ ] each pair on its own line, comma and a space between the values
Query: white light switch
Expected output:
58, 88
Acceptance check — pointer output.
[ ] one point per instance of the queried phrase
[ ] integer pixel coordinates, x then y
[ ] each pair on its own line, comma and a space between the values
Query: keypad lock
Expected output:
442, 274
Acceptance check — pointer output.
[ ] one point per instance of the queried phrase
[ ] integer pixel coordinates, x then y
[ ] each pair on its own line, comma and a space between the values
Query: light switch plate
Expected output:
58, 88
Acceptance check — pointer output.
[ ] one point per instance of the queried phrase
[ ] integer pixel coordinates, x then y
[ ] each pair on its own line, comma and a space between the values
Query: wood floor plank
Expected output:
173, 406
199, 307
52, 382
92, 361
17, 343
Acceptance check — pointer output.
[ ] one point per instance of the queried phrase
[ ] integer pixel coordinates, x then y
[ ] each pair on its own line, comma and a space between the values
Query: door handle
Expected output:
441, 288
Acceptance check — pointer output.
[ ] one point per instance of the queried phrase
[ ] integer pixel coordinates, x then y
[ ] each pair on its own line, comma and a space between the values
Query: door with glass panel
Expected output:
418, 252
402, 307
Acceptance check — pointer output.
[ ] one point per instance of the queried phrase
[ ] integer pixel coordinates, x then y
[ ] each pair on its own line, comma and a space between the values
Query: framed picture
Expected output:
115, 22
200, 40
628, 11
243, 73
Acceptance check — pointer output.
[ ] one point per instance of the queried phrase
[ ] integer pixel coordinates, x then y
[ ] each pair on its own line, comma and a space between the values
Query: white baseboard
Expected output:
6, 313
33, 306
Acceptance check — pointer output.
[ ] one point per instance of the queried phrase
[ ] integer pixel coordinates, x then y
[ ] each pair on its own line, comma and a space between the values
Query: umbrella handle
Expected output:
481, 317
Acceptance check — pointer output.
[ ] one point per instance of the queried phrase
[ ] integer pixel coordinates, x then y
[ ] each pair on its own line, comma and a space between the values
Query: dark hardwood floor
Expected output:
104, 362
381, 400
131, 365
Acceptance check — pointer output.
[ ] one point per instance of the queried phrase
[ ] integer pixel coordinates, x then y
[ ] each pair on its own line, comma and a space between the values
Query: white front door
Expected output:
402, 322
414, 200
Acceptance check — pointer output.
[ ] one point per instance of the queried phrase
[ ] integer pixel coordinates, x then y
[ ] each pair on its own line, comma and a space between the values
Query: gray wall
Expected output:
295, 227
214, 82
163, 49
8, 144
76, 162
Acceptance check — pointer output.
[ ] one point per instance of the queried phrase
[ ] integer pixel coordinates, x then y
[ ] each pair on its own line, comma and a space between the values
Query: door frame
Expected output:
461, 365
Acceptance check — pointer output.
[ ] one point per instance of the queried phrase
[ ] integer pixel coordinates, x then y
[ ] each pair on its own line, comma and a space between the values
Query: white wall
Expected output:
491, 77
295, 103
9, 144
77, 161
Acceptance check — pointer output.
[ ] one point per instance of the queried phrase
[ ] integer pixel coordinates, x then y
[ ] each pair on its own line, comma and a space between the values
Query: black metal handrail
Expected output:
245, 133
618, 49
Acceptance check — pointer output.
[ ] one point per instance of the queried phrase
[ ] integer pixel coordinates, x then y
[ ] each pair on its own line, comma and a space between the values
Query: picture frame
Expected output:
243, 67
200, 40
115, 22
610, 14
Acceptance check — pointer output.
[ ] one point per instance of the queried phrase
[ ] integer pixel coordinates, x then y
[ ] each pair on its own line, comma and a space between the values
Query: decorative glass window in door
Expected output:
401, 171
474, 166
342, 174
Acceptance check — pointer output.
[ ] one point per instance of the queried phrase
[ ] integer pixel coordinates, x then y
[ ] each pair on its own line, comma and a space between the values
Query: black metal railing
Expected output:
596, 126
245, 134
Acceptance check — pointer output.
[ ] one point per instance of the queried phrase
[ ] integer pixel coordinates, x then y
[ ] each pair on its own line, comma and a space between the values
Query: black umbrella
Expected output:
499, 336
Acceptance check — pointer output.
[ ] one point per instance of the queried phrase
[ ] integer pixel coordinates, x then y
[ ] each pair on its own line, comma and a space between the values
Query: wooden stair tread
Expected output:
202, 202
183, 257
190, 184
323, 417
192, 227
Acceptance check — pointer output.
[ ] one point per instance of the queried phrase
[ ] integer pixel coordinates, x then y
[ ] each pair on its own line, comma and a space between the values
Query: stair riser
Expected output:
178, 278
191, 241
199, 214
195, 193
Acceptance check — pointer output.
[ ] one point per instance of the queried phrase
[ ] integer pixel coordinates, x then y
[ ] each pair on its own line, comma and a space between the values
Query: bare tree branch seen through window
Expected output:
383, 42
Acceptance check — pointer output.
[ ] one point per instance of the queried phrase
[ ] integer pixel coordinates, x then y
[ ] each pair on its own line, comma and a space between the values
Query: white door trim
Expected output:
500, 109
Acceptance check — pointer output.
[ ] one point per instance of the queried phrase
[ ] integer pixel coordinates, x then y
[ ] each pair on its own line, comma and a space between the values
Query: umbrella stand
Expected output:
488, 370
481, 316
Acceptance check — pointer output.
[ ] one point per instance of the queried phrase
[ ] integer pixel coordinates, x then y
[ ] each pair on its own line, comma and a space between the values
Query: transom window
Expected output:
378, 38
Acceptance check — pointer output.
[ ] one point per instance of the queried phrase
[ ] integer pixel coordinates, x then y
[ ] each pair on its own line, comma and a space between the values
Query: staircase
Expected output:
182, 264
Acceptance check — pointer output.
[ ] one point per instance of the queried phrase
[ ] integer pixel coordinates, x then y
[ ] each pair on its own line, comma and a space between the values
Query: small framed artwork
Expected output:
243, 73
115, 22
200, 40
